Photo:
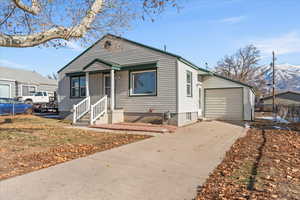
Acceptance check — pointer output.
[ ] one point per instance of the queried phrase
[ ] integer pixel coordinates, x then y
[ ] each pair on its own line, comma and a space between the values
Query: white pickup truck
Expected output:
37, 98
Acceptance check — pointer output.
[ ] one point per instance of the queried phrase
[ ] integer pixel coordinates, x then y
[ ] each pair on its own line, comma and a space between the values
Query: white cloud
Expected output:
8, 63
232, 20
284, 44
74, 45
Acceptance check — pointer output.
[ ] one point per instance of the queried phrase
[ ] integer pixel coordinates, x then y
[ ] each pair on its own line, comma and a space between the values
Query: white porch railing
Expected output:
98, 109
81, 109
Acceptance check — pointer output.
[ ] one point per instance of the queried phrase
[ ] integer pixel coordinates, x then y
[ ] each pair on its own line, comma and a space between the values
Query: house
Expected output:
19, 82
118, 79
284, 98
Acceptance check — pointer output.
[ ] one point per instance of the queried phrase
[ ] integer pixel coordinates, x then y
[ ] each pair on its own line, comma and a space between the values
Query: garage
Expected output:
224, 104
4, 91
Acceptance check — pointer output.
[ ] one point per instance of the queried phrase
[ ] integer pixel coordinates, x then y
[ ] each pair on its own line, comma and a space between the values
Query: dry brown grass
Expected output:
30, 143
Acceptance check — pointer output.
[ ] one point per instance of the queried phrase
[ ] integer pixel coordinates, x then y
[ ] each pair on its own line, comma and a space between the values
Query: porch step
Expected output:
87, 116
82, 123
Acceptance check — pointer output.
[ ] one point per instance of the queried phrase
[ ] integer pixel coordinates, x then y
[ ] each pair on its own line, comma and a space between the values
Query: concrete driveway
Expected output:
169, 167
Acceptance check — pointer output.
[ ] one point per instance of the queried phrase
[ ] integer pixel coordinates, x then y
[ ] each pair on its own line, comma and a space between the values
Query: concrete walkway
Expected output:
168, 167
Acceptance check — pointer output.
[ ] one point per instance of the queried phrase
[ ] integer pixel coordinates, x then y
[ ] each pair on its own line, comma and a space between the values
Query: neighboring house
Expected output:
284, 98
143, 82
19, 82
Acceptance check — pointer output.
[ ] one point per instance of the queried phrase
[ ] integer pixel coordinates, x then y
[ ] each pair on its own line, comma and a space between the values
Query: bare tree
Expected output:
27, 23
243, 66
52, 76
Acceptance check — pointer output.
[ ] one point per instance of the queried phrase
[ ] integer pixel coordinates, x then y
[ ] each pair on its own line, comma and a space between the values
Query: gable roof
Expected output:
139, 44
25, 76
280, 94
108, 63
187, 62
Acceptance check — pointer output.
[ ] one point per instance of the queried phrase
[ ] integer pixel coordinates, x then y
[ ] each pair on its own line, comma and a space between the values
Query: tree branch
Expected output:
34, 9
59, 32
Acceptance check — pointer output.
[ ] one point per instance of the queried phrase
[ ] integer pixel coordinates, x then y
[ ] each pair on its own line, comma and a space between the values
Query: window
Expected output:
189, 116
143, 83
38, 94
28, 90
189, 85
78, 87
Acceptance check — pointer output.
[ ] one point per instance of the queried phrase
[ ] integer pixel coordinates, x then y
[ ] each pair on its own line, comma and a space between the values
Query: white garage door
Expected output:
4, 91
224, 104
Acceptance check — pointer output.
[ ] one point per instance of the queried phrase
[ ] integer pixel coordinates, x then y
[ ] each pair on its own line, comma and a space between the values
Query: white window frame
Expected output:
132, 81
189, 84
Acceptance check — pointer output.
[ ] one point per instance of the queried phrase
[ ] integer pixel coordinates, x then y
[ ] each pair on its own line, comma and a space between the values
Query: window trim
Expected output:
10, 88
189, 84
27, 85
130, 78
79, 86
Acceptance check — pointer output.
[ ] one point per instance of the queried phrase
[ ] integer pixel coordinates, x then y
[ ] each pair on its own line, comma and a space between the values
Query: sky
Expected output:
201, 31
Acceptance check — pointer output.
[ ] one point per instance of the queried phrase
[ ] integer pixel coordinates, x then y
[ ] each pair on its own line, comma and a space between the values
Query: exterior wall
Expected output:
16, 87
12, 85
216, 82
39, 87
155, 118
182, 118
125, 54
187, 104
286, 99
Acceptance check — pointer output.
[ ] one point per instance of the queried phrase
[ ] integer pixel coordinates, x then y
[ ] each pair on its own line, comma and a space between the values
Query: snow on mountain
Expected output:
287, 76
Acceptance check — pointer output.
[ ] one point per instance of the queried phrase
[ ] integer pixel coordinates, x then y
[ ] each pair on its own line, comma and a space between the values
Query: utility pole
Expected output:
273, 85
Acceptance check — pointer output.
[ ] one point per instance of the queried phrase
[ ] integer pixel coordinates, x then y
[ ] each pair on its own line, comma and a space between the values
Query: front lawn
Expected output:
30, 143
265, 164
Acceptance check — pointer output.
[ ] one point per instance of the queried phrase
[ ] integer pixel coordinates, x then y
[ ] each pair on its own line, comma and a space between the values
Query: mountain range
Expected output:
287, 76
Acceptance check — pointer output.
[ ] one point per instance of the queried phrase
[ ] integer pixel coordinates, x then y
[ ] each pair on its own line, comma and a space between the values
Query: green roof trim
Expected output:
113, 65
139, 44
157, 50
140, 66
232, 80
78, 73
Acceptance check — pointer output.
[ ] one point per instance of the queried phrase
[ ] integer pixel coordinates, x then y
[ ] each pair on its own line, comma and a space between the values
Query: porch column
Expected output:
112, 89
87, 78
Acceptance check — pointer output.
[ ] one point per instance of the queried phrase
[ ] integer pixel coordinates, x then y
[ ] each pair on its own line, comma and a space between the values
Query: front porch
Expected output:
98, 107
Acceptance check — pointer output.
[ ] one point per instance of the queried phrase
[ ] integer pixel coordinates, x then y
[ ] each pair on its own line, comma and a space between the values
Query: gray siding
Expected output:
39, 87
125, 53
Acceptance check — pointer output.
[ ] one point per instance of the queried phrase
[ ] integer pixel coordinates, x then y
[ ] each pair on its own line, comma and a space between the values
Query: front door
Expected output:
107, 88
